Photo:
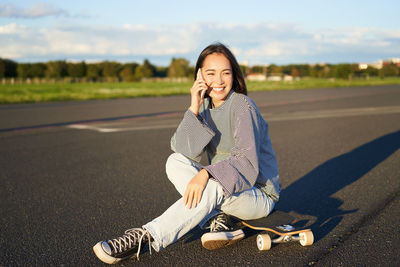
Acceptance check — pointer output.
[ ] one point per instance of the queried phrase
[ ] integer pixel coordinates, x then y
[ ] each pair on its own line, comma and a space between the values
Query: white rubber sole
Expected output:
218, 240
104, 257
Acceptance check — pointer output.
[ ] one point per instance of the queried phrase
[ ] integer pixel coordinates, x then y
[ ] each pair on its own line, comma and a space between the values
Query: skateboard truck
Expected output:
306, 238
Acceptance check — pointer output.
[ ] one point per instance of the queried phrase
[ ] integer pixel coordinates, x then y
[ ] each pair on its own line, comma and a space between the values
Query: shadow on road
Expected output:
313, 193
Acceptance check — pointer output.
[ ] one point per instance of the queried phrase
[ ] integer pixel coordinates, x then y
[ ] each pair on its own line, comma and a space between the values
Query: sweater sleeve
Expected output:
192, 136
240, 171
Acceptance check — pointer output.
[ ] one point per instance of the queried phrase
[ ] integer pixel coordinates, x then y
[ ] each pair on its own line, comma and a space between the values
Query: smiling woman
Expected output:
241, 178
222, 73
218, 77
217, 84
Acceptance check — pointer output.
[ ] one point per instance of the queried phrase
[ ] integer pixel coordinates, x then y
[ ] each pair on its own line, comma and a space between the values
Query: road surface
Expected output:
75, 173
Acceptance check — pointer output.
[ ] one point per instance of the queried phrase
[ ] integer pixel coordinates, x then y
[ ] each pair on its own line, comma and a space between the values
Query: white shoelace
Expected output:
218, 222
131, 238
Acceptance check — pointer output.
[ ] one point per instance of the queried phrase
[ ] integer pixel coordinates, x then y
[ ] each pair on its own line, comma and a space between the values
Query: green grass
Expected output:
319, 83
26, 93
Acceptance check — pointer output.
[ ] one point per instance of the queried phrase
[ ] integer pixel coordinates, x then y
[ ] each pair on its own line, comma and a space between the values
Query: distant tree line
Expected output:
179, 67
101, 71
340, 71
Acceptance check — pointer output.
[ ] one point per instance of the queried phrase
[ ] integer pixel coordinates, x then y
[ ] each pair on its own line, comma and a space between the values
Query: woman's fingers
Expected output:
186, 196
192, 197
195, 199
198, 86
190, 200
202, 86
200, 83
198, 91
195, 188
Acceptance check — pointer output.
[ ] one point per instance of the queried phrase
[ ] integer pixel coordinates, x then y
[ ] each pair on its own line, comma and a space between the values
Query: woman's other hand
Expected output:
195, 188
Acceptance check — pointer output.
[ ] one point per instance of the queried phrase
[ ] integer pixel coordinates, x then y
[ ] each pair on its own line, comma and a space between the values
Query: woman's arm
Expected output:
193, 134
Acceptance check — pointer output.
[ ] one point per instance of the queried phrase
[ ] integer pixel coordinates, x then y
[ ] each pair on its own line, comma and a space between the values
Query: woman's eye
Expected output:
210, 74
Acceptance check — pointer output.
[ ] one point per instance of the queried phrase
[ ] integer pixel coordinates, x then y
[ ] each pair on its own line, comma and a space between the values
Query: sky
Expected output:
258, 32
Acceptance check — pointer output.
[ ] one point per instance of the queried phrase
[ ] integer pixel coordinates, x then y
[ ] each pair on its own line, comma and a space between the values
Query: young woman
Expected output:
241, 180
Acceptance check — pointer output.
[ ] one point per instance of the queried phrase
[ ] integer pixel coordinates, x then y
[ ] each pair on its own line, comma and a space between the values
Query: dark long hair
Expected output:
238, 85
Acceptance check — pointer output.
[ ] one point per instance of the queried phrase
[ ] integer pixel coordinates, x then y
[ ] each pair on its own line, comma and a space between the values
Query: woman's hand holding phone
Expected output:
197, 92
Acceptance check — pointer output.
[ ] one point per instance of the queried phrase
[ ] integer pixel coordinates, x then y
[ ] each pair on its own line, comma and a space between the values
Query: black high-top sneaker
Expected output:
124, 247
222, 233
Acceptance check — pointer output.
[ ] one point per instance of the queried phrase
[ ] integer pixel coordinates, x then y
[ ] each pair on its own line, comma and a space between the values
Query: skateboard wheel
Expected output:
264, 242
306, 238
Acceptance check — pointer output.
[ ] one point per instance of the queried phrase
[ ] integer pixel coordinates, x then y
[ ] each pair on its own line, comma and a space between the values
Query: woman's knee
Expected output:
177, 159
178, 167
249, 205
173, 163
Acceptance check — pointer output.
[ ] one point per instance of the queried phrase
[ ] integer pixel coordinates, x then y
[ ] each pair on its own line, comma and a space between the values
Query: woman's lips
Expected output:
218, 89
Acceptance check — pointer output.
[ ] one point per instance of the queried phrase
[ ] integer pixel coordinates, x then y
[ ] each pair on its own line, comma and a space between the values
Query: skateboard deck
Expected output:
278, 225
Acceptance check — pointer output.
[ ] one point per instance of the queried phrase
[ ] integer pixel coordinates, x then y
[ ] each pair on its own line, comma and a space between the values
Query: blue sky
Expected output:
258, 32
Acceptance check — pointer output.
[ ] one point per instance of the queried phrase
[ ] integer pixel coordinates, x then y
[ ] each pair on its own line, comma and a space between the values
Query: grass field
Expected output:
27, 93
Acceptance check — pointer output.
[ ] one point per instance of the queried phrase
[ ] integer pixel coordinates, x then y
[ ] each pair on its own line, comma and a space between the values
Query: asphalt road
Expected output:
75, 173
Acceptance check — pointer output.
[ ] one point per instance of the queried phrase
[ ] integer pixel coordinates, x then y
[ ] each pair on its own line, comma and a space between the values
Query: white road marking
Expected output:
334, 113
113, 130
269, 117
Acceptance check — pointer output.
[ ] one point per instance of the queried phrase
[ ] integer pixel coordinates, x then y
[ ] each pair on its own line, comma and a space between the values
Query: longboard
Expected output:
278, 224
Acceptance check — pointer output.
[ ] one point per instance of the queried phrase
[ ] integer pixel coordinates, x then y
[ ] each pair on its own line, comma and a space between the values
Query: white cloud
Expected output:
12, 28
35, 11
256, 43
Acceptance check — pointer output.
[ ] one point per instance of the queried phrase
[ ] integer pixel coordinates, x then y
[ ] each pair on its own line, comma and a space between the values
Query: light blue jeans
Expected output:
177, 220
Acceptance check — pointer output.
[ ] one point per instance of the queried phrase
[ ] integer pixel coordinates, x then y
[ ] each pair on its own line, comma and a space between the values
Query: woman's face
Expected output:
217, 73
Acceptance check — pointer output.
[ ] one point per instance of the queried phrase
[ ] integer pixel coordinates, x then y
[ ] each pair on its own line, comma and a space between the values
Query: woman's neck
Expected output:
216, 104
